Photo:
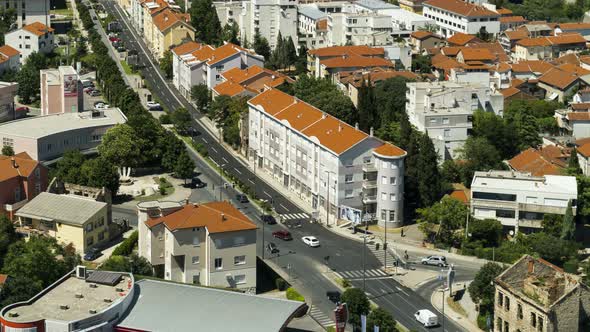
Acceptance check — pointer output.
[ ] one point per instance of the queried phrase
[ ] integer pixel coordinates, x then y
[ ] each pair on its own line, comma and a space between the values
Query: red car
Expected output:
114, 39
283, 235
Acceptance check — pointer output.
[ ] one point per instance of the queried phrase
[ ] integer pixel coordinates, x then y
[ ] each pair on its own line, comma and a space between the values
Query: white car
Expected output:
311, 241
102, 106
426, 318
435, 260
153, 106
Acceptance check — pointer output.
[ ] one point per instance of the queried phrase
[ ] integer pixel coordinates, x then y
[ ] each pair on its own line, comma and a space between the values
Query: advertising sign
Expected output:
70, 85
341, 317
350, 214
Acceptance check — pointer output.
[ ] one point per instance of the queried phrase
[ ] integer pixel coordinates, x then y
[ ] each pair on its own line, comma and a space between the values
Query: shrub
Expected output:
126, 247
292, 294
281, 284
344, 282
571, 266
165, 119
201, 149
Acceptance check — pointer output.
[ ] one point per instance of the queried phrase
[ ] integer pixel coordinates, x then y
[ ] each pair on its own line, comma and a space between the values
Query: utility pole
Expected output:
221, 182
385, 248
364, 265
263, 248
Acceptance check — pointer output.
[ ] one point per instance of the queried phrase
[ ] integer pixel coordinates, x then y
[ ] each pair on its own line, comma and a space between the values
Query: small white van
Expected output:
426, 318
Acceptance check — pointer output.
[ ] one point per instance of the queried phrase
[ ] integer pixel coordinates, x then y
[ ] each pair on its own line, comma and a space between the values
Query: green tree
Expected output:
422, 64
140, 266
550, 248
449, 214
121, 147
7, 150
231, 33
573, 166
166, 64
390, 101
480, 155
301, 62
291, 51
486, 233
481, 290
204, 18
261, 46
28, 84
411, 175
19, 289
450, 171
185, 167
380, 317
7, 18
116, 263
366, 105
429, 184
99, 172
181, 118
568, 230
358, 304
7, 235
552, 224
171, 148
201, 95
69, 167
499, 133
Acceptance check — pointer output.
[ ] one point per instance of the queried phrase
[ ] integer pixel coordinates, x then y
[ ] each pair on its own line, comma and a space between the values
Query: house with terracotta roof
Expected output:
34, 37
326, 162
423, 40
461, 39
509, 38
547, 160
511, 22
194, 63
21, 179
168, 29
511, 94
468, 55
211, 244
583, 28
330, 68
249, 82
351, 82
526, 69
550, 47
453, 16
577, 124
559, 83
9, 59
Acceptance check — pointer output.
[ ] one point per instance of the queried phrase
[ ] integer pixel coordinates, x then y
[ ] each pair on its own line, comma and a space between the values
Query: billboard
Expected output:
70, 85
350, 214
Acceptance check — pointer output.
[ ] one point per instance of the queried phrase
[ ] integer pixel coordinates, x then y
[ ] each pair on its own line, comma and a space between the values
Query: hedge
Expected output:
126, 247
292, 294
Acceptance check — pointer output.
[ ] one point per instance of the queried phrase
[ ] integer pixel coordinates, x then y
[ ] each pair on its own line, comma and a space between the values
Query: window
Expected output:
391, 215
500, 299
447, 133
445, 120
90, 240
384, 164
100, 236
89, 227
540, 323
533, 319
240, 279
37, 172
195, 240
195, 260
384, 180
37, 188
506, 327
348, 193
101, 221
505, 213
383, 214
432, 120
494, 196
499, 324
240, 260
392, 197
17, 194
507, 302
366, 160
392, 180
217, 77
519, 311
348, 178
218, 263
383, 196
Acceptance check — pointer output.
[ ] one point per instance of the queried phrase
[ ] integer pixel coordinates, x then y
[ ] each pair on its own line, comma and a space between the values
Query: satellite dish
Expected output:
511, 233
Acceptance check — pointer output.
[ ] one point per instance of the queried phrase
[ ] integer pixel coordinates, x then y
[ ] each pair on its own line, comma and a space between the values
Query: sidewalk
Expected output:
437, 301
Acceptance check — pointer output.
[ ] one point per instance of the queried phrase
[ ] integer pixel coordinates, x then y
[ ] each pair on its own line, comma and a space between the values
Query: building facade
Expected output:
31, 38
7, 93
211, 244
452, 16
327, 163
61, 91
9, 59
28, 12
519, 200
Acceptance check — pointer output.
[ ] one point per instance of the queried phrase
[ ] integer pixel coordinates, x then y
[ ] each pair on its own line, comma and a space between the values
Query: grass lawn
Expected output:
64, 11
168, 189
127, 68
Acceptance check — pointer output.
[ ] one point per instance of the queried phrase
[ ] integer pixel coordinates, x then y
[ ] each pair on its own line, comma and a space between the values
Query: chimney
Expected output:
223, 218
531, 266
371, 132
14, 164
356, 125
186, 201
339, 127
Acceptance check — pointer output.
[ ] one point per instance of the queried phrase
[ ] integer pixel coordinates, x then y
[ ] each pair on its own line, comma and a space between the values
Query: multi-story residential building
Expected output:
329, 61
61, 91
33, 37
168, 29
454, 16
542, 48
313, 26
249, 82
28, 12
404, 22
558, 84
46, 138
79, 220
9, 59
326, 162
7, 93
511, 22
350, 83
359, 27
424, 40
445, 110
194, 64
211, 244
414, 6
21, 179
520, 200
267, 17
534, 295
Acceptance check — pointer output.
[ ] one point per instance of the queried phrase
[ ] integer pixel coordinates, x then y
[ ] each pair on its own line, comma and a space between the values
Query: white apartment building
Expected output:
327, 163
211, 244
267, 17
34, 37
28, 11
520, 200
445, 110
454, 16
312, 26
357, 27
194, 64
404, 22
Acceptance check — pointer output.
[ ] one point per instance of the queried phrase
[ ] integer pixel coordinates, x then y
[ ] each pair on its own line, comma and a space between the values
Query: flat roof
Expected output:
63, 293
41, 126
519, 181
187, 307
311, 11
375, 4
70, 209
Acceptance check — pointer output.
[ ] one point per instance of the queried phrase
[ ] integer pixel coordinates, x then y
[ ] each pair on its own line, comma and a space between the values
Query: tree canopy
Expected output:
204, 19
358, 304
121, 147
449, 214
482, 289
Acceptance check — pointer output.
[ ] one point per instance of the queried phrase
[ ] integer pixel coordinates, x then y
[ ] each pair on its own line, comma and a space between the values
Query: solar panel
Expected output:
104, 278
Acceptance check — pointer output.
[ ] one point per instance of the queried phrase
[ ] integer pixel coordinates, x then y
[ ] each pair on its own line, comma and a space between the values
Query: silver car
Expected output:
435, 260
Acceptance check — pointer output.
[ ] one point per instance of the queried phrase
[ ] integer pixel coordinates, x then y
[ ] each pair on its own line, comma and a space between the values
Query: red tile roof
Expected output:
389, 150
168, 18
573, 26
536, 162
228, 88
578, 116
37, 28
8, 51
421, 35
460, 195
584, 150
559, 78
461, 8
187, 47
355, 61
476, 54
347, 50
509, 92
24, 166
516, 34
460, 39
563, 39
580, 106
533, 66
512, 19
504, 11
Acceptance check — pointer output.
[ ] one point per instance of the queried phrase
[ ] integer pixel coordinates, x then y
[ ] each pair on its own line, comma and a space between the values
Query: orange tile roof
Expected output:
3, 278
168, 18
559, 78
563, 39
578, 116
571, 68
300, 115
503, 67
509, 92
439, 58
573, 26
584, 150
462, 8
476, 54
25, 166
347, 50
533, 66
580, 106
8, 51
272, 101
239, 75
516, 34
228, 88
495, 48
223, 52
355, 61
460, 195
504, 11
37, 28
568, 58
217, 217
450, 51
533, 161
188, 47
420, 34
460, 39
334, 134
389, 150
512, 19
516, 82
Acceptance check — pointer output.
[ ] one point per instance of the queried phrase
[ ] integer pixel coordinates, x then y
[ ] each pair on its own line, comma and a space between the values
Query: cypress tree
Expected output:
429, 185
568, 228
573, 166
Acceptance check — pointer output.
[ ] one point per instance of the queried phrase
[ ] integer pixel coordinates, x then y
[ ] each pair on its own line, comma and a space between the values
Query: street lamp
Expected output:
221, 181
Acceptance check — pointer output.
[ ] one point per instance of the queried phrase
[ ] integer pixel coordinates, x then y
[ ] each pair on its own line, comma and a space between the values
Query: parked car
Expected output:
268, 219
311, 241
87, 83
426, 318
272, 248
283, 235
153, 106
101, 106
22, 109
435, 260
114, 39
197, 183
92, 254
88, 89
242, 198
98, 103
333, 296
95, 93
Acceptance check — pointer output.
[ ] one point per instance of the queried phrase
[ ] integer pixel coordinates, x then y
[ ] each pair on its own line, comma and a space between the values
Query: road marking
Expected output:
204, 140
251, 181
223, 158
237, 170
212, 148
284, 207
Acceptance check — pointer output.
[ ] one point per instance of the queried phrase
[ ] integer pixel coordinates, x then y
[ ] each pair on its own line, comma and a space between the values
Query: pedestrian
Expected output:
406, 254
402, 232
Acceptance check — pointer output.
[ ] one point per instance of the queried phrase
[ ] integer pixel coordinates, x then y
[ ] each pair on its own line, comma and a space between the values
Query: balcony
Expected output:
367, 199
369, 168
530, 223
369, 184
544, 208
493, 204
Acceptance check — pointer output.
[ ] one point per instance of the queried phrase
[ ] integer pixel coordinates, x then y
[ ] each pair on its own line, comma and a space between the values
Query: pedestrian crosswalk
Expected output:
294, 216
358, 274
320, 317
380, 254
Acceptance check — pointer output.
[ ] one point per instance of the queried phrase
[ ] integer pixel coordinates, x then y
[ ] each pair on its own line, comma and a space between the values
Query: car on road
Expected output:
293, 223
272, 248
426, 318
92, 254
242, 198
333, 296
435, 260
311, 241
283, 235
197, 183
114, 39
268, 219
153, 106
95, 93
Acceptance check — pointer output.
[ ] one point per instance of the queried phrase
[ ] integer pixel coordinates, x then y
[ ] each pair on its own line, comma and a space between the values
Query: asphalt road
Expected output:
307, 264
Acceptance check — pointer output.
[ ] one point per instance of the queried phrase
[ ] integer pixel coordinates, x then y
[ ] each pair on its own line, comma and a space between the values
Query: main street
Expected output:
307, 264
